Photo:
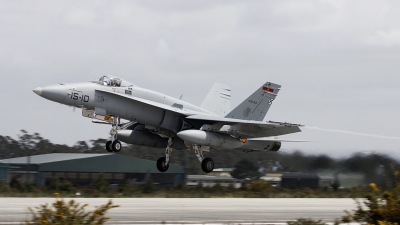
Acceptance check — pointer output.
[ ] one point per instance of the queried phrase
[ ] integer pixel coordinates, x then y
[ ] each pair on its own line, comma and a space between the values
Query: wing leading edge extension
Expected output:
172, 108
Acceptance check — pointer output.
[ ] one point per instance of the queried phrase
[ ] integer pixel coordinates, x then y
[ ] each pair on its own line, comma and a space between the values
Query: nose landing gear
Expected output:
114, 145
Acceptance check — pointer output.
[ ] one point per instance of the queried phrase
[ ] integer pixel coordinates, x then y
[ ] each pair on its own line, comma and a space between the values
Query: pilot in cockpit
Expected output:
115, 82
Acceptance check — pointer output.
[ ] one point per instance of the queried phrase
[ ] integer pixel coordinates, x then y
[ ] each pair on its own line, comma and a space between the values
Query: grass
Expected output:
149, 190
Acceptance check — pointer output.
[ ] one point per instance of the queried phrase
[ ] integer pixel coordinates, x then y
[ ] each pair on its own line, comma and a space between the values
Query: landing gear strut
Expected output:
114, 145
207, 164
163, 162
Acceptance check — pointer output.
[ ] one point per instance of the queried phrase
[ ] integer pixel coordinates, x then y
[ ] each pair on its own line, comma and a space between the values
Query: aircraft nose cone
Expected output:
38, 91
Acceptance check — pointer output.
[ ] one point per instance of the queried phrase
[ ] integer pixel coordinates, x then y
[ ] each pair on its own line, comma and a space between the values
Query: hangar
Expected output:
4, 172
82, 169
299, 180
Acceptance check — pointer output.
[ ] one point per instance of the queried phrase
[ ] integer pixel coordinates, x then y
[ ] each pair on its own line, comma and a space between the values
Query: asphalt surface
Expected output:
194, 210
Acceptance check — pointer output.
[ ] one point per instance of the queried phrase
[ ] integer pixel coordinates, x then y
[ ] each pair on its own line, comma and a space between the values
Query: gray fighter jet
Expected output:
157, 120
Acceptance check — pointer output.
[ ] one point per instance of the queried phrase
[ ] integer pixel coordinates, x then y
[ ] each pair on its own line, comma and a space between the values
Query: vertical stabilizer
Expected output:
218, 100
257, 105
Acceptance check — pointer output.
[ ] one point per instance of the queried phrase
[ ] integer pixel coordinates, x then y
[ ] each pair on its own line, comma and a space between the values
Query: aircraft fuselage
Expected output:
102, 99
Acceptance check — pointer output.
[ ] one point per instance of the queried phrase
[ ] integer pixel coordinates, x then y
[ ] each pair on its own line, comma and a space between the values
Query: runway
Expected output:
194, 210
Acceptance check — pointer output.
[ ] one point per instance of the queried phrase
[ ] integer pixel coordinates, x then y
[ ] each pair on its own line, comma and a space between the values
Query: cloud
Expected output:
337, 60
385, 38
164, 50
80, 17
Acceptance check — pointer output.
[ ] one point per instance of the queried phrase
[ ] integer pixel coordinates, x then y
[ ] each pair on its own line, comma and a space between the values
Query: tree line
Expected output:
372, 166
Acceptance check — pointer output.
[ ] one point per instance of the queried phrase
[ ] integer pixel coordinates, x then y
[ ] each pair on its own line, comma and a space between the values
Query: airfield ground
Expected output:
195, 210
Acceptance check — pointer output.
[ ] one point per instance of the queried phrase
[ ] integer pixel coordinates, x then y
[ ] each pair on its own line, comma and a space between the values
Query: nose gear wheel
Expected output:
109, 146
116, 146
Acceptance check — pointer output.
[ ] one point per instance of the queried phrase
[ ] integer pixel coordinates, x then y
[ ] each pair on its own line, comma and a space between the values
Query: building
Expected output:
297, 180
274, 179
82, 169
220, 176
211, 181
221, 172
4, 172
346, 180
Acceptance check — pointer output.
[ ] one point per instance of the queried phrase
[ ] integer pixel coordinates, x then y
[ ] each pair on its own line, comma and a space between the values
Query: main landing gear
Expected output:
207, 164
163, 162
113, 146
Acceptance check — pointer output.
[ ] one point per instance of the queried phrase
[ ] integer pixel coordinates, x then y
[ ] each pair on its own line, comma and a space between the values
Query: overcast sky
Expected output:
338, 62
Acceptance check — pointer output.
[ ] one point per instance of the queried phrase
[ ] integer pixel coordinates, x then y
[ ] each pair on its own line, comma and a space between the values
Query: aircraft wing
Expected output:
238, 127
172, 108
244, 128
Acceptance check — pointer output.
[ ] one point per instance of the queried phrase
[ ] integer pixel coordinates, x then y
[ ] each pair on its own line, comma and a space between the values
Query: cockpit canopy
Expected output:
114, 81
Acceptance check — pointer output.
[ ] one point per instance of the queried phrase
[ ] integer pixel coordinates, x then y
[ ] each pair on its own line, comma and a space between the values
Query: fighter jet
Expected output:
157, 120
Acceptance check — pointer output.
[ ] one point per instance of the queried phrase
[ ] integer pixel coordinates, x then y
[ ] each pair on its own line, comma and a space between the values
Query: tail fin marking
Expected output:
256, 106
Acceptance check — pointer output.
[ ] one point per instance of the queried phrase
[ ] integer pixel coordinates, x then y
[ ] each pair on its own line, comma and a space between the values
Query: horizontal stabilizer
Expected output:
244, 128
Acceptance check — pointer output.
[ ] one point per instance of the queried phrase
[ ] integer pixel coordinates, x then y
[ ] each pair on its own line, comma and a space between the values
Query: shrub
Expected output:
72, 212
54, 184
66, 186
305, 221
14, 183
29, 187
4, 186
122, 185
382, 207
149, 187
217, 188
99, 184
260, 186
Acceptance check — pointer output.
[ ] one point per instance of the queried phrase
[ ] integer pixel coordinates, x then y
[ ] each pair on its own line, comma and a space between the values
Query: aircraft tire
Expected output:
109, 146
207, 165
161, 165
116, 146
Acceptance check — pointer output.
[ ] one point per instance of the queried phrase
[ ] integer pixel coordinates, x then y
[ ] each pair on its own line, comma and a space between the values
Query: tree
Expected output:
336, 183
245, 169
81, 146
